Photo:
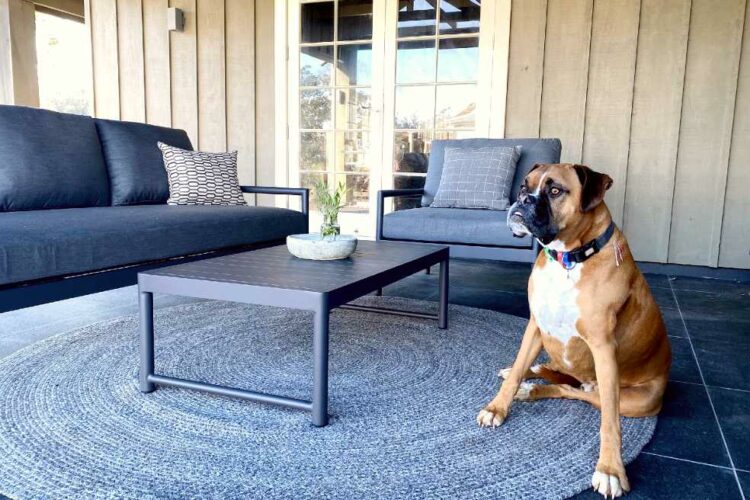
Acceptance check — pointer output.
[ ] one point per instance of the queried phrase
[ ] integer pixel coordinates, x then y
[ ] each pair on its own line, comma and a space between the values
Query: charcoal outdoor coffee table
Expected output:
273, 277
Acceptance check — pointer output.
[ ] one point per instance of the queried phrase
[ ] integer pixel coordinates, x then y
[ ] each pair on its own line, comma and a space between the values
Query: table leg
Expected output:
146, 308
320, 376
443, 313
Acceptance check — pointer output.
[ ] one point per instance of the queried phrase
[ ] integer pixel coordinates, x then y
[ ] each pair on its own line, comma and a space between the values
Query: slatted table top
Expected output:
275, 267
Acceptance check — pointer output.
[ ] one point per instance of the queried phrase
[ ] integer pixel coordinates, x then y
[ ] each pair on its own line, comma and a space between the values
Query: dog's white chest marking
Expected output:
553, 302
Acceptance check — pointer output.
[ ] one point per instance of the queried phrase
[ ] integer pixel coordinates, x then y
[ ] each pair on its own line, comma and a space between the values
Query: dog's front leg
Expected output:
495, 412
609, 477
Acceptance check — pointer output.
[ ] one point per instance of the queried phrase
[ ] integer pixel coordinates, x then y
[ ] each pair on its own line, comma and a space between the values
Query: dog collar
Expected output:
569, 259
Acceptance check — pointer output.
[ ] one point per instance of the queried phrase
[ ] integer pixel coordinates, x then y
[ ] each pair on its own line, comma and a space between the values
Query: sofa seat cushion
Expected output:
135, 165
49, 160
49, 243
452, 225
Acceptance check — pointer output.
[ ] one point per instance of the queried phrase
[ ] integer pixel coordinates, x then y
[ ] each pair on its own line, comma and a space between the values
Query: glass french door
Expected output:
372, 83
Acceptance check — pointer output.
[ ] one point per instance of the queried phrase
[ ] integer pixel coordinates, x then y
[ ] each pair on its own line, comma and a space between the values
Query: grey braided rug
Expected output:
404, 397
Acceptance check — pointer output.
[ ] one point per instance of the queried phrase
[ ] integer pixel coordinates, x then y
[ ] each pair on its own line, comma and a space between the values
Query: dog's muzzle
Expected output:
517, 220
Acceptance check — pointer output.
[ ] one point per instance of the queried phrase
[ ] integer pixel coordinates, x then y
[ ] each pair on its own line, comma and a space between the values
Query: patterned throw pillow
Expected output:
477, 177
197, 178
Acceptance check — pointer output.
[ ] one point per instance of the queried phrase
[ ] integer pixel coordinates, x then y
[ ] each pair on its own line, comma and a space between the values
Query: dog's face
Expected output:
553, 197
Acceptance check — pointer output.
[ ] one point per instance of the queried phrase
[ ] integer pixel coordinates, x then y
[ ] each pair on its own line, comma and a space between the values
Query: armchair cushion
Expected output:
451, 225
533, 151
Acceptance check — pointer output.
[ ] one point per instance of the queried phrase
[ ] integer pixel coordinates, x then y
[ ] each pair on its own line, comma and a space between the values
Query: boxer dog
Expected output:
591, 311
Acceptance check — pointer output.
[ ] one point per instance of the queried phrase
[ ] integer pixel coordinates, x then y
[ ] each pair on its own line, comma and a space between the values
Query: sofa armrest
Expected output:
303, 193
391, 193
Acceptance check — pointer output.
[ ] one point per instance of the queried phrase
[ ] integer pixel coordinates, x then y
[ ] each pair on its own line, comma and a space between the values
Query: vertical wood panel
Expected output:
525, 68
105, 58
566, 62
212, 120
240, 36
655, 127
265, 124
184, 72
706, 129
609, 100
130, 51
501, 49
19, 83
156, 63
735, 233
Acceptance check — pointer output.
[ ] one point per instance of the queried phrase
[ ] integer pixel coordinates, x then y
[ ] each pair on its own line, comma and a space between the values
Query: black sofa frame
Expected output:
465, 251
35, 292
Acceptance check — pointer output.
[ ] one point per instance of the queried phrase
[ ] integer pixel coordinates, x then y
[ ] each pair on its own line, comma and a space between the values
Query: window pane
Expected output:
315, 108
315, 65
414, 107
357, 192
354, 64
455, 107
459, 16
312, 150
415, 62
455, 134
308, 180
416, 17
353, 108
317, 22
410, 152
407, 182
64, 76
355, 19
458, 59
352, 148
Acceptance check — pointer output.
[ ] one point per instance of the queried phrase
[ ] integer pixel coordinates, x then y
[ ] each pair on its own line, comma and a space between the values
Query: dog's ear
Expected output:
593, 184
536, 165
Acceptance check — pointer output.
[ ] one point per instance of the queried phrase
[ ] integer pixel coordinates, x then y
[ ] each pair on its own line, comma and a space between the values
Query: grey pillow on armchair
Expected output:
477, 177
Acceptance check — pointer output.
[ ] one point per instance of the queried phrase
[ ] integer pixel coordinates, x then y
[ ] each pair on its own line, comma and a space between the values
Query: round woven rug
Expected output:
404, 397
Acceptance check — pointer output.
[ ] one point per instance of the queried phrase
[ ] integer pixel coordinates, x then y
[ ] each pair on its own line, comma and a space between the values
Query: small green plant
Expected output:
329, 204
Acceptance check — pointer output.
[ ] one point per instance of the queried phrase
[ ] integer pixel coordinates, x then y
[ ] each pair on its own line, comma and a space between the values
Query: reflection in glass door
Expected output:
335, 102
435, 87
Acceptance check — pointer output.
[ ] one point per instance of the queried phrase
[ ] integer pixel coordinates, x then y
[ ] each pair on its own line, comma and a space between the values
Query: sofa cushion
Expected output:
50, 243
452, 225
477, 177
532, 151
135, 165
49, 160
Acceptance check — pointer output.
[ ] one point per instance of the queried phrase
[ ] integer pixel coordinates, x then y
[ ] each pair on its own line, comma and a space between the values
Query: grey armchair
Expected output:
478, 234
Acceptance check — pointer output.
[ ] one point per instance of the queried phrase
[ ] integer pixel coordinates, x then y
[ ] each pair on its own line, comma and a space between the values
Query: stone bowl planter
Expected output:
313, 247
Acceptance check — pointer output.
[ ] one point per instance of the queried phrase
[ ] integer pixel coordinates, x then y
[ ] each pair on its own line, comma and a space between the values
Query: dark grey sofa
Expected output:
470, 233
83, 207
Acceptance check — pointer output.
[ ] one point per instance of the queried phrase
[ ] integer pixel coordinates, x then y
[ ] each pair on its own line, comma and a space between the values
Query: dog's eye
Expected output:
555, 191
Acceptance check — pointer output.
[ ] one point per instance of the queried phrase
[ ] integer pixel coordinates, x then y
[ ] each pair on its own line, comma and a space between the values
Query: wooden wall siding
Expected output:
18, 77
735, 234
566, 63
655, 127
657, 94
706, 130
156, 63
528, 23
105, 57
201, 79
130, 50
609, 97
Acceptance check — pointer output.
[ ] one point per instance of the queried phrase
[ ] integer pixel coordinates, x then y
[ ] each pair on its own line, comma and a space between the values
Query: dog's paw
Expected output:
524, 391
504, 373
491, 417
588, 386
610, 485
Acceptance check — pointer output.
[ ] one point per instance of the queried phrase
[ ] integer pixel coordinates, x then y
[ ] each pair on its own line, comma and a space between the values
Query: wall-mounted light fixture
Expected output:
175, 19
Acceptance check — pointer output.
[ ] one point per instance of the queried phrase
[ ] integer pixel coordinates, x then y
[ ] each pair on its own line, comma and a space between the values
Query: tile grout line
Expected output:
708, 393
709, 385
686, 460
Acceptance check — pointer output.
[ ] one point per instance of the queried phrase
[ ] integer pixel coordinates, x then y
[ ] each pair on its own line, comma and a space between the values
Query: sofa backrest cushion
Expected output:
533, 151
136, 169
49, 160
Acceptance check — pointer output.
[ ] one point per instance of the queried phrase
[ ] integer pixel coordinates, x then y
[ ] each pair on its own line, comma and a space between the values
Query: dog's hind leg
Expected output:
546, 372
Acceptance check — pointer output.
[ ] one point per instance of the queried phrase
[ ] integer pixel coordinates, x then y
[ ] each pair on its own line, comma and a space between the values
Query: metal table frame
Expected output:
321, 303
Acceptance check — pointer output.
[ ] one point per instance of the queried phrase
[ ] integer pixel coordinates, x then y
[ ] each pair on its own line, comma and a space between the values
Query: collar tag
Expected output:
589, 252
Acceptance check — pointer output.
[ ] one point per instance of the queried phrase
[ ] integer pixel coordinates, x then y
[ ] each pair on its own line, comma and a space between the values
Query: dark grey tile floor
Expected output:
701, 448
